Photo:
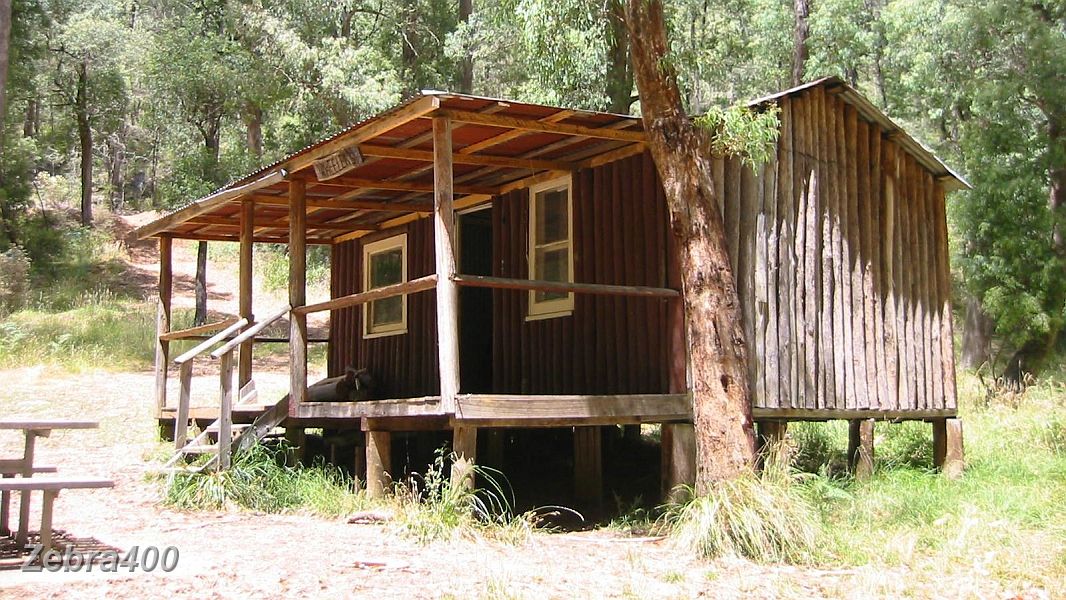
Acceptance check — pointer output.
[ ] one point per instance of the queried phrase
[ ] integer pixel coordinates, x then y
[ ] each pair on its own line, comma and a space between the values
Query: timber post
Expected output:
771, 437
678, 458
444, 247
378, 462
948, 447
162, 320
244, 359
464, 445
297, 298
861, 447
588, 466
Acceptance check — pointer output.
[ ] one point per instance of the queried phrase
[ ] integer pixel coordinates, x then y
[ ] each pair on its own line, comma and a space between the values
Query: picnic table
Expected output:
24, 467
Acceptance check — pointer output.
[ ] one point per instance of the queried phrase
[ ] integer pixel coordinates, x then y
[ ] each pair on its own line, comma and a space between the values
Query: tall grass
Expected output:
102, 333
1003, 519
766, 516
260, 480
434, 508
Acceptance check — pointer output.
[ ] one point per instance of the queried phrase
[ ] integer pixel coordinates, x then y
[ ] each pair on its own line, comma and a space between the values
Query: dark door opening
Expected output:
475, 304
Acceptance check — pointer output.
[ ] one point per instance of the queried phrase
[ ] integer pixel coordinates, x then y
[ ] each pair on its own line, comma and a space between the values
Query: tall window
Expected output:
551, 255
385, 263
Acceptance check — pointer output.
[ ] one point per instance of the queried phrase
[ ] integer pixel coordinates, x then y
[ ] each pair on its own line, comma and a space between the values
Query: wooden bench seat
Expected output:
50, 486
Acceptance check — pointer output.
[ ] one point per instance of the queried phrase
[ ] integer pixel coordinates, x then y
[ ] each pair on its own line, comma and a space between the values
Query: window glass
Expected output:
385, 262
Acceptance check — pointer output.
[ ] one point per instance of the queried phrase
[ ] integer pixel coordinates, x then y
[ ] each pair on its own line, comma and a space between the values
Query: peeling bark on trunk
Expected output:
725, 442
800, 32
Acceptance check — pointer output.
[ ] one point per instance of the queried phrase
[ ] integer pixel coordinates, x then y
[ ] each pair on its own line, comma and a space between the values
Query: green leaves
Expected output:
743, 132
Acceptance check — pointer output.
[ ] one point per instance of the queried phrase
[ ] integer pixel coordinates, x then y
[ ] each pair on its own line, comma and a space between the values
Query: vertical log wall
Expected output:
844, 277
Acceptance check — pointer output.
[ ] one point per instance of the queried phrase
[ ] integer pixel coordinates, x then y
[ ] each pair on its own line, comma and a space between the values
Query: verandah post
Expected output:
444, 246
297, 297
244, 359
162, 321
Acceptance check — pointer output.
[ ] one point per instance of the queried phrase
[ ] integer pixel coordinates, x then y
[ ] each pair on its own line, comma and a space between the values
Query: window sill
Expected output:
550, 315
381, 334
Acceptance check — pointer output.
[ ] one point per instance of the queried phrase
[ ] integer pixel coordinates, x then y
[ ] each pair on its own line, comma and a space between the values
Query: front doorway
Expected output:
475, 304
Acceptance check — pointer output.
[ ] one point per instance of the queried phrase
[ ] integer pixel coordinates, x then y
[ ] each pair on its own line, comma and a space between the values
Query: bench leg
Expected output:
5, 510
24, 519
46, 520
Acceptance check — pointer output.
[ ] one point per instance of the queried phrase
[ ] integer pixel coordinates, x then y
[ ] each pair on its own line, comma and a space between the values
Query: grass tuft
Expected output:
434, 509
764, 516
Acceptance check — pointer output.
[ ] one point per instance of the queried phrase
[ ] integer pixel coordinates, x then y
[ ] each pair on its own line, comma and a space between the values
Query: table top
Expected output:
38, 424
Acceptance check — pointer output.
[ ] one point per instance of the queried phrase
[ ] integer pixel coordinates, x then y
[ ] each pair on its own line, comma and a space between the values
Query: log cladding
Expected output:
840, 247
851, 267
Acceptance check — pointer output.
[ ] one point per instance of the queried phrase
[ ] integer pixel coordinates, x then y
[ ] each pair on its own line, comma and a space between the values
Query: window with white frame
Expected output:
385, 263
551, 255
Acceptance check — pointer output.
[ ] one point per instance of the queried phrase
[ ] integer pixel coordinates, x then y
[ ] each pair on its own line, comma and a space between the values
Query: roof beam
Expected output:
323, 203
465, 159
222, 221
381, 184
512, 134
463, 116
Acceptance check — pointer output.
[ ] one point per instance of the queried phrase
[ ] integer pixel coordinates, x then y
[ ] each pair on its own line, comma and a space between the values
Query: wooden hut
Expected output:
497, 264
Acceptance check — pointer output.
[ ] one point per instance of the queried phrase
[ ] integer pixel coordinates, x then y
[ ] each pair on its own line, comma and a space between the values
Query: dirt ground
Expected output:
241, 554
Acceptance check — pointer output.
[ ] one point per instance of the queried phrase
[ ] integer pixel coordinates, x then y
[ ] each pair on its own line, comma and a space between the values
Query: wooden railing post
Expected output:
297, 292
162, 322
244, 360
444, 246
181, 421
225, 414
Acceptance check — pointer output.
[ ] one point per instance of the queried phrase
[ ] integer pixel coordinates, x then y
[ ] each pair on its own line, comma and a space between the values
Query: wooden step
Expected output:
235, 427
200, 449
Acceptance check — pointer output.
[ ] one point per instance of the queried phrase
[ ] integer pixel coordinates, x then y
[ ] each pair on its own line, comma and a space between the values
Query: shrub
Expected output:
14, 279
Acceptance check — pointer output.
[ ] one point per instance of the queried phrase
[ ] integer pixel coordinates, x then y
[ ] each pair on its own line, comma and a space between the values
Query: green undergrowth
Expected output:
427, 508
101, 333
1004, 519
259, 479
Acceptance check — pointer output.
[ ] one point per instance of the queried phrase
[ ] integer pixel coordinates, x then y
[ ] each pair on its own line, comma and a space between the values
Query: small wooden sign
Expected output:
338, 163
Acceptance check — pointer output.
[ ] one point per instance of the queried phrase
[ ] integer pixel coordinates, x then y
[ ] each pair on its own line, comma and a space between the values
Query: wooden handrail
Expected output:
211, 341
195, 332
538, 285
396, 289
250, 333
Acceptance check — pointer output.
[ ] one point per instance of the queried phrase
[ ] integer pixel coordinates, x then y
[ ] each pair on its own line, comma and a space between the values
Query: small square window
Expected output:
551, 256
385, 263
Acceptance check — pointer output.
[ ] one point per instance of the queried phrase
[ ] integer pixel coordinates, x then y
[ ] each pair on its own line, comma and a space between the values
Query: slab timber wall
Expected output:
841, 249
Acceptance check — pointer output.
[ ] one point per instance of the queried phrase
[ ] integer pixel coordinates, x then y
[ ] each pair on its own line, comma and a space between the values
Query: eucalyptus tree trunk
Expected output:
718, 354
800, 32
976, 336
85, 143
6, 218
619, 72
466, 66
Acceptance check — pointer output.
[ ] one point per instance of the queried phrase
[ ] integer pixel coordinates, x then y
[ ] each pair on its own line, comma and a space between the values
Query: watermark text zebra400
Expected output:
147, 560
